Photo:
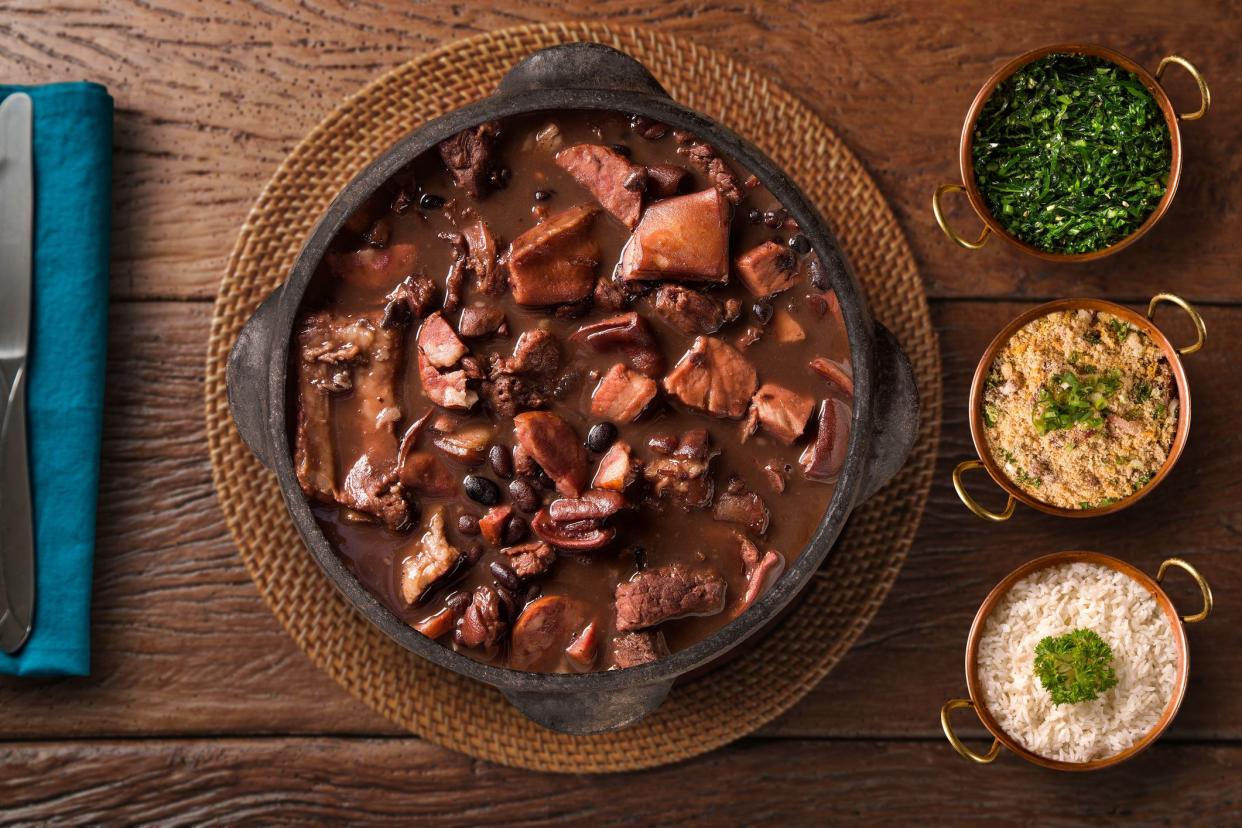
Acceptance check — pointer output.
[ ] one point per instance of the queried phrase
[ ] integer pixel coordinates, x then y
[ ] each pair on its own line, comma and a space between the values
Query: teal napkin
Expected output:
68, 338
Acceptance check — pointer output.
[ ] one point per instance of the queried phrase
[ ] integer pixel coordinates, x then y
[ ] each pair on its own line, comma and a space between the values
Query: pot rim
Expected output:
1180, 641
1152, 85
859, 329
978, 432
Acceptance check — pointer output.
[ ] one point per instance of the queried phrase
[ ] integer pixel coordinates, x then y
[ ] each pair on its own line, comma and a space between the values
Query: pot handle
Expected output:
1205, 94
944, 222
1200, 326
247, 378
965, 752
970, 502
1199, 579
896, 413
581, 714
580, 66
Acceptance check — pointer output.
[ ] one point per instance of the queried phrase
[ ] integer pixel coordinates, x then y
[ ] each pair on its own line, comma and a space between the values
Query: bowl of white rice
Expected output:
1124, 694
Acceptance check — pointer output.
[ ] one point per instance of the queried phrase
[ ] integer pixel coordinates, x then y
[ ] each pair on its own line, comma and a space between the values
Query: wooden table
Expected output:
199, 707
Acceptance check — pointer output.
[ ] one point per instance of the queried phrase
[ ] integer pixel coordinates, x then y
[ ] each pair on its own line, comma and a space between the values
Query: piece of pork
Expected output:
479, 320
448, 389
836, 373
554, 262
529, 560
689, 311
685, 238
713, 376
374, 268
605, 173
628, 333
654, 596
823, 459
783, 413
469, 157
411, 299
439, 343
768, 269
481, 257
429, 559
705, 157
683, 472
555, 446
617, 468
622, 394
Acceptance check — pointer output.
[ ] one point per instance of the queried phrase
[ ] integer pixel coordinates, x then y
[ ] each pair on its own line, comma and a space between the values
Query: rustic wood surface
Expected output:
200, 708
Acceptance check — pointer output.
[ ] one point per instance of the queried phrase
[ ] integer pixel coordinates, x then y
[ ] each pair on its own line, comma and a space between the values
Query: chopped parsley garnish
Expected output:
1075, 667
1141, 392
1143, 480
1071, 153
990, 415
1120, 330
1092, 336
1069, 400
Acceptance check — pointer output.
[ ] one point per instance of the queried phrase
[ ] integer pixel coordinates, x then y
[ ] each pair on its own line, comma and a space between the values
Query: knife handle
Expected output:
16, 521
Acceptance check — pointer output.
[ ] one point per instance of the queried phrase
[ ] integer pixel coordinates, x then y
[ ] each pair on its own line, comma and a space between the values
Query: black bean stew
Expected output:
571, 391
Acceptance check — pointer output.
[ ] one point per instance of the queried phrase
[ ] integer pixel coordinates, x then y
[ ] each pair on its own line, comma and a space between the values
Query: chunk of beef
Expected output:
448, 389
836, 373
374, 268
633, 649
555, 446
823, 459
375, 490
483, 623
628, 333
785, 328
713, 376
409, 300
554, 262
656, 595
684, 238
604, 173
683, 473
478, 321
508, 394
665, 180
530, 560
542, 632
535, 354
617, 468
468, 156
690, 311
768, 269
429, 559
705, 157
481, 257
622, 395
782, 413
743, 507
439, 343
608, 295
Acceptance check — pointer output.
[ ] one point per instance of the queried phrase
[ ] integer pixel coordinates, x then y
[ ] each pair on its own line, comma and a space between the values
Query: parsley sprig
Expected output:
1075, 667
1069, 400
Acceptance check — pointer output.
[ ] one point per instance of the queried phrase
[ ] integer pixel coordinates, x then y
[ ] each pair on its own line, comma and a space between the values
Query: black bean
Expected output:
523, 495
640, 556
507, 602
501, 461
532, 592
544, 195
505, 576
500, 177
472, 553
800, 244
762, 311
431, 201
635, 182
754, 216
815, 271
458, 601
621, 149
774, 218
515, 530
542, 479
481, 490
601, 436
468, 525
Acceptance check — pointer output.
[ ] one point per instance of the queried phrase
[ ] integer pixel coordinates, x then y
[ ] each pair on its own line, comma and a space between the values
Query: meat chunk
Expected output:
554, 262
761, 577
478, 321
743, 507
713, 376
683, 473
595, 504
823, 459
535, 354
684, 238
782, 413
690, 311
492, 525
447, 390
657, 595
786, 329
429, 559
424, 473
622, 395
468, 156
767, 269
665, 180
543, 631
705, 157
529, 560
481, 257
325, 346
483, 623
439, 343
409, 300
604, 173
836, 373
465, 443
629, 334
608, 295
633, 649
584, 649
374, 268
617, 468
579, 535
507, 394
374, 489
555, 447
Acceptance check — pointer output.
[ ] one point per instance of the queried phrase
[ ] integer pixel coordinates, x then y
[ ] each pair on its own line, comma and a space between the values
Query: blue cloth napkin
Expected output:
68, 339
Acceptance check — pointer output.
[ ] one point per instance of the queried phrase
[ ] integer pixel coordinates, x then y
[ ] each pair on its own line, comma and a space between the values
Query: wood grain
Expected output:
210, 96
183, 645
770, 782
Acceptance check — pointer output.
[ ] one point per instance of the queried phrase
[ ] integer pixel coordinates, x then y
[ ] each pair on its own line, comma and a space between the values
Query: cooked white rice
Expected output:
1054, 601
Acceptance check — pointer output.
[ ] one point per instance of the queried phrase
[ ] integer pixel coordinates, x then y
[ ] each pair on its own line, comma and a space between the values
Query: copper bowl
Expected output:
969, 186
978, 431
975, 689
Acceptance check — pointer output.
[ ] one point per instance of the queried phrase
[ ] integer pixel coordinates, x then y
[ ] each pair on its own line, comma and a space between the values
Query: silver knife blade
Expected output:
17, 588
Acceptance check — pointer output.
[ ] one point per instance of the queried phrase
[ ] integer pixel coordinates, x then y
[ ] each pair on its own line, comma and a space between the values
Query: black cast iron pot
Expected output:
885, 419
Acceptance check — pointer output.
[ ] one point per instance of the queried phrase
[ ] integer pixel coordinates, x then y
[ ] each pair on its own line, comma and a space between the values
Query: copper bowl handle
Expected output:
1205, 94
1199, 579
963, 751
1200, 326
970, 502
944, 222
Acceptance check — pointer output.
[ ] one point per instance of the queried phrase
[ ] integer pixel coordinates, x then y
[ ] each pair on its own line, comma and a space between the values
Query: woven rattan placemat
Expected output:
757, 685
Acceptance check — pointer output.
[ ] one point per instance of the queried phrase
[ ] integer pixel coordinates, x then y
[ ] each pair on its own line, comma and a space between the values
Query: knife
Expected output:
16, 239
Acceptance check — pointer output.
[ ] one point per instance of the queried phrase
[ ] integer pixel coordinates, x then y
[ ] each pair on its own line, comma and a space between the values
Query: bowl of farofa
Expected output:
1079, 408
1076, 661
